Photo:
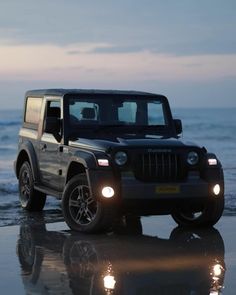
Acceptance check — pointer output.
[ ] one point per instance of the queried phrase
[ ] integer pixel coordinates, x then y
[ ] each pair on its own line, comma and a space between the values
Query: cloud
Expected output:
51, 62
76, 49
153, 45
167, 27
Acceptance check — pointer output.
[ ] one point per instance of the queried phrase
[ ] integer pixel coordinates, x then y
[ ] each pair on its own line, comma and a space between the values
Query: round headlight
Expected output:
121, 158
192, 158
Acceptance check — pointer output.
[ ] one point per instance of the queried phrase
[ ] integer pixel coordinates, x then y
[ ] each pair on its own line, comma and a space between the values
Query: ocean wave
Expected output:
10, 122
8, 148
10, 204
215, 137
8, 188
5, 137
230, 204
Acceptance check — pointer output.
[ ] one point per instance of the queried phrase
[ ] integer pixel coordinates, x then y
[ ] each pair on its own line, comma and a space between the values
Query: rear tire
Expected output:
30, 199
81, 211
207, 217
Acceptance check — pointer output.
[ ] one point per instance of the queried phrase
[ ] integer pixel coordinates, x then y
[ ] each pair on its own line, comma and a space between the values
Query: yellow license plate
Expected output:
167, 189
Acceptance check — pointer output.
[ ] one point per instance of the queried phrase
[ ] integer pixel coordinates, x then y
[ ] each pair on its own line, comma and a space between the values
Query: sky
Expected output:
184, 49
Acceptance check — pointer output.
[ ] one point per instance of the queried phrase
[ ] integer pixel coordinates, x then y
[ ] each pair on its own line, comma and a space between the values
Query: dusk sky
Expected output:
184, 49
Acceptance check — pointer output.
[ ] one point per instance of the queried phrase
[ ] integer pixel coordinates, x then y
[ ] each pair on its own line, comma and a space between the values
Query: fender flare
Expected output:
28, 148
86, 160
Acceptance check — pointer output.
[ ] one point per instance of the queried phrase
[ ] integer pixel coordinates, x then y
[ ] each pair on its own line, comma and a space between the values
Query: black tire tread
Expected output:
104, 219
37, 199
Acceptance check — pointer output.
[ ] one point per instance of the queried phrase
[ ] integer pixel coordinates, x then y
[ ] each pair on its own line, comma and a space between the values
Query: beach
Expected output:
112, 111
157, 258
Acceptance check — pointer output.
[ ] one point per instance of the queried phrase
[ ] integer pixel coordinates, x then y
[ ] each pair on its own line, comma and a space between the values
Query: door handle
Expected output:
43, 146
60, 149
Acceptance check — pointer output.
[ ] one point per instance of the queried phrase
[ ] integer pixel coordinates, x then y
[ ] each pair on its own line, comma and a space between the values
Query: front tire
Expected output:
81, 211
30, 199
206, 217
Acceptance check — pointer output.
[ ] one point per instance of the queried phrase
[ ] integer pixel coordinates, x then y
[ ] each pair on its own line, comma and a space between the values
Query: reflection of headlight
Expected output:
217, 273
121, 158
192, 158
109, 282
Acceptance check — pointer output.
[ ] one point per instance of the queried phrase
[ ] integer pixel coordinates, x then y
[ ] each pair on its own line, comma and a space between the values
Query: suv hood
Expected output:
127, 142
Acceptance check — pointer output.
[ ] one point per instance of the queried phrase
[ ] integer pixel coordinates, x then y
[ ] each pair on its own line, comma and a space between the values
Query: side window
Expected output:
127, 113
33, 110
155, 113
53, 110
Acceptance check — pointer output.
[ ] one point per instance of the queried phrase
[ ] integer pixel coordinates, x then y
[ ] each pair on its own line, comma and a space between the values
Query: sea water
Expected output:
212, 128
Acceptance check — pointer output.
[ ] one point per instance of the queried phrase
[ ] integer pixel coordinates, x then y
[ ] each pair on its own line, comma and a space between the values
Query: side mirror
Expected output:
178, 126
52, 125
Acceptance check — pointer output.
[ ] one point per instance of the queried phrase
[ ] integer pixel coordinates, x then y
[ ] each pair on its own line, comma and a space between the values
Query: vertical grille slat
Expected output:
156, 164
176, 167
170, 166
163, 164
143, 164
149, 164
160, 167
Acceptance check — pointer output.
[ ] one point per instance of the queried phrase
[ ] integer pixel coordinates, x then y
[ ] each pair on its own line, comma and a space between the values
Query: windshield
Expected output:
117, 111
123, 114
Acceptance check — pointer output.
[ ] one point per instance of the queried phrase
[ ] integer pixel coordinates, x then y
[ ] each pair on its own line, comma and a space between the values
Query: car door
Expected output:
49, 150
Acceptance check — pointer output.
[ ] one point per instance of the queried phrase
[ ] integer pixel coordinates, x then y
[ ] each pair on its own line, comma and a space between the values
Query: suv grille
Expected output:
162, 167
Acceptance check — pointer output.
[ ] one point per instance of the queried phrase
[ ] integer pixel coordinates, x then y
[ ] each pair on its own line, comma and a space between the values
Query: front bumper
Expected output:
142, 198
149, 198
193, 188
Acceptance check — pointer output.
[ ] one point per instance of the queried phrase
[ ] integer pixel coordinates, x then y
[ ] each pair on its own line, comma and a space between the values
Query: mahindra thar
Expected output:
113, 154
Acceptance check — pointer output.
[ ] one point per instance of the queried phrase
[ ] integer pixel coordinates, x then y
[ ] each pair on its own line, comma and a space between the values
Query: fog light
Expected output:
217, 270
109, 282
216, 189
108, 192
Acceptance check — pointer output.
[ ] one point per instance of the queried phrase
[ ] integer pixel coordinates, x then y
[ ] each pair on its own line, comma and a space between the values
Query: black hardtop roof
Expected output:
62, 92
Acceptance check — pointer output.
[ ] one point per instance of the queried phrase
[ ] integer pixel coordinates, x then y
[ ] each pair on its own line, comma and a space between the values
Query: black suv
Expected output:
111, 155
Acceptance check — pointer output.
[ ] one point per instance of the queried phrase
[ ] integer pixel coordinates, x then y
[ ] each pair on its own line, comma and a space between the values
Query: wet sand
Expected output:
155, 258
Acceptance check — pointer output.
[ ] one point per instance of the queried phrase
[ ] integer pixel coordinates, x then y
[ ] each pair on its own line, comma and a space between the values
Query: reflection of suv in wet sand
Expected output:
190, 261
107, 154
